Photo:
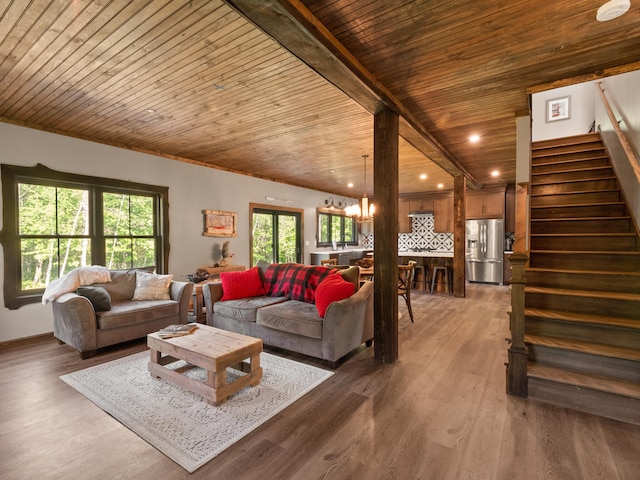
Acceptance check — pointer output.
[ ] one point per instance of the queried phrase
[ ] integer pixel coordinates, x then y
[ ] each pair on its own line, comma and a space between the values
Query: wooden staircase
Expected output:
582, 293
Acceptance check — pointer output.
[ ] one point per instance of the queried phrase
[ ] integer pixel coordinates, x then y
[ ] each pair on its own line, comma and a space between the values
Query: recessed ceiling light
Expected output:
612, 9
350, 185
423, 176
495, 173
150, 110
475, 138
440, 185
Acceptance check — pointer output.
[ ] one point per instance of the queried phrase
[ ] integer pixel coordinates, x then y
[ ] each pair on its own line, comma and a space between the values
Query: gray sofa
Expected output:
77, 323
296, 325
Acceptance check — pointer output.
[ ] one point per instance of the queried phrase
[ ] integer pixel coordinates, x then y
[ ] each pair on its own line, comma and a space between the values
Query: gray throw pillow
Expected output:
98, 297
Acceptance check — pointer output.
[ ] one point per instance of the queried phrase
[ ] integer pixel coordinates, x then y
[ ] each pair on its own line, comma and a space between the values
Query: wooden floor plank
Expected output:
439, 412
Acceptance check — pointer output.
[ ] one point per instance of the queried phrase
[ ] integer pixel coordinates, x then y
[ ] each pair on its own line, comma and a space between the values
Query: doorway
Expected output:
276, 234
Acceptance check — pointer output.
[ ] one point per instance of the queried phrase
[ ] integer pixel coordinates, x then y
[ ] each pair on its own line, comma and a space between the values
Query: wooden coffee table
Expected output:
213, 349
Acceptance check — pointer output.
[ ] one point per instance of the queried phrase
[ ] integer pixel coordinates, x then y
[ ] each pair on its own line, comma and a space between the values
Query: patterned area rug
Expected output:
181, 424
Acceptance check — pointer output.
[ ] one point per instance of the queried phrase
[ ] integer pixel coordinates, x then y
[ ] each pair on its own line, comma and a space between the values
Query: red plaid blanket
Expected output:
295, 281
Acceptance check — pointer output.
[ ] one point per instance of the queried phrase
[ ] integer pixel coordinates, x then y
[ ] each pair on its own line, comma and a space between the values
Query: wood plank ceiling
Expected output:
196, 81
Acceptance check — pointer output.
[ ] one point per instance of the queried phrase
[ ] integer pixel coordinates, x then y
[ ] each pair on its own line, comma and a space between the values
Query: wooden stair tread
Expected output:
588, 137
579, 234
576, 317
589, 219
603, 384
544, 159
573, 205
565, 149
572, 180
632, 253
573, 170
599, 190
583, 272
592, 348
584, 293
604, 176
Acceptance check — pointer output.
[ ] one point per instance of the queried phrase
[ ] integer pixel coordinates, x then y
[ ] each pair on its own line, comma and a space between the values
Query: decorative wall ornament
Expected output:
559, 109
219, 224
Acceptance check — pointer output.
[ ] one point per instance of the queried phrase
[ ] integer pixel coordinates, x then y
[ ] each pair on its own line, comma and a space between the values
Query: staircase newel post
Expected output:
518, 352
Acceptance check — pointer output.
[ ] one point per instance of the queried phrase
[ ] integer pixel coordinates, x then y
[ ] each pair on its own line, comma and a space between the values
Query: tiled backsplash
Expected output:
421, 236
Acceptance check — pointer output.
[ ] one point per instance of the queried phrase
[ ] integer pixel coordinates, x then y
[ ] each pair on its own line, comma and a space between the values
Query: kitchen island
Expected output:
343, 257
429, 259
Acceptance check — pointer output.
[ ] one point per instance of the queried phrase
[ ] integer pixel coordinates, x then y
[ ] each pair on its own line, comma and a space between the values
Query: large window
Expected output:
55, 222
276, 235
336, 229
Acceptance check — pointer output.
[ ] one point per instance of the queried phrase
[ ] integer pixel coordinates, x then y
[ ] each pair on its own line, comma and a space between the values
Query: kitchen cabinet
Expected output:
443, 214
489, 204
421, 203
404, 221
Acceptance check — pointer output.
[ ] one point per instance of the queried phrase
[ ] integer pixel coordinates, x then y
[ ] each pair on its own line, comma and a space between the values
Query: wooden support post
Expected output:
518, 353
459, 232
385, 230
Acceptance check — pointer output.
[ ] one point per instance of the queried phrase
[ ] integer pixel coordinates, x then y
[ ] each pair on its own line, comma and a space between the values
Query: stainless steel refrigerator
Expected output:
484, 252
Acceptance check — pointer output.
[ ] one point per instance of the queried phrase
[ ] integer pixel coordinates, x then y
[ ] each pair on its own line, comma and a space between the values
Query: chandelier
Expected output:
362, 211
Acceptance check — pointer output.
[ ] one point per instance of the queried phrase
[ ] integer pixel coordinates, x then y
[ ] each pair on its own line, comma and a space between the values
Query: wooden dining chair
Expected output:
329, 261
366, 274
405, 277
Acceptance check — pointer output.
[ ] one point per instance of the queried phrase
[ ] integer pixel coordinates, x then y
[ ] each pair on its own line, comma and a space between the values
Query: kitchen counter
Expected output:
432, 254
340, 250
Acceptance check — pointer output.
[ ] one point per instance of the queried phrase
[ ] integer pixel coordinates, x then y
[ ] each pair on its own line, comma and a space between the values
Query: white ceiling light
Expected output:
612, 9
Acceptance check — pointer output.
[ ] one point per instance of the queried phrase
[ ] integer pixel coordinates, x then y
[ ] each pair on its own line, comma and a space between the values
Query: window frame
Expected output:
331, 213
12, 176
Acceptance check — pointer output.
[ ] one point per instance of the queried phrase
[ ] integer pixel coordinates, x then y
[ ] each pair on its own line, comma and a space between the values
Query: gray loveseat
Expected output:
77, 323
296, 325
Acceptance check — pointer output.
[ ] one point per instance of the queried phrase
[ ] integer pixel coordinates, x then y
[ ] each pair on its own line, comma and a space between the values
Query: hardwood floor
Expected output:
440, 412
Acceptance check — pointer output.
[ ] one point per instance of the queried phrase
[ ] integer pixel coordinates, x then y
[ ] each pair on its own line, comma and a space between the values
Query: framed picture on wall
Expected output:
219, 224
559, 109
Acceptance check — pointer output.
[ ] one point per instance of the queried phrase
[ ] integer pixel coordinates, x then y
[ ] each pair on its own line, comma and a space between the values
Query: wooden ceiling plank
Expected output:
16, 22
301, 33
105, 70
187, 75
40, 57
60, 79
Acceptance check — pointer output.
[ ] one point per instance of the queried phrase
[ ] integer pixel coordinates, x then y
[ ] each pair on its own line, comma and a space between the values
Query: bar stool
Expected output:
443, 266
420, 275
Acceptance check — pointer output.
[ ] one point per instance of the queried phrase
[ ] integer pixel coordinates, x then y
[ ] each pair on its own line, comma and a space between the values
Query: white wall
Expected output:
624, 96
192, 189
582, 112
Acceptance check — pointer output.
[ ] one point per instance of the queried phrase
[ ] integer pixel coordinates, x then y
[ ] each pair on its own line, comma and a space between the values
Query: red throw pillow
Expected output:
241, 284
332, 289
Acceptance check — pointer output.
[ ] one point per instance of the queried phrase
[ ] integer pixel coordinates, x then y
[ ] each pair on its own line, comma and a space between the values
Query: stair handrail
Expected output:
626, 146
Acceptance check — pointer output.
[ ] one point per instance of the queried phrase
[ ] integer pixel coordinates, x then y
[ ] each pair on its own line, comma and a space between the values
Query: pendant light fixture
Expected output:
363, 211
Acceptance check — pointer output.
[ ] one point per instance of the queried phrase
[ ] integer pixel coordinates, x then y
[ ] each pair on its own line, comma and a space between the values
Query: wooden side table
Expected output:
199, 315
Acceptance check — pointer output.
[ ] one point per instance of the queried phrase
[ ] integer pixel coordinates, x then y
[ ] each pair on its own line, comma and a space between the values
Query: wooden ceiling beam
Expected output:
294, 27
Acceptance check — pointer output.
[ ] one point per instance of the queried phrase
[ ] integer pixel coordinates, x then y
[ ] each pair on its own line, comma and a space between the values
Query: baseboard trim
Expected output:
26, 341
